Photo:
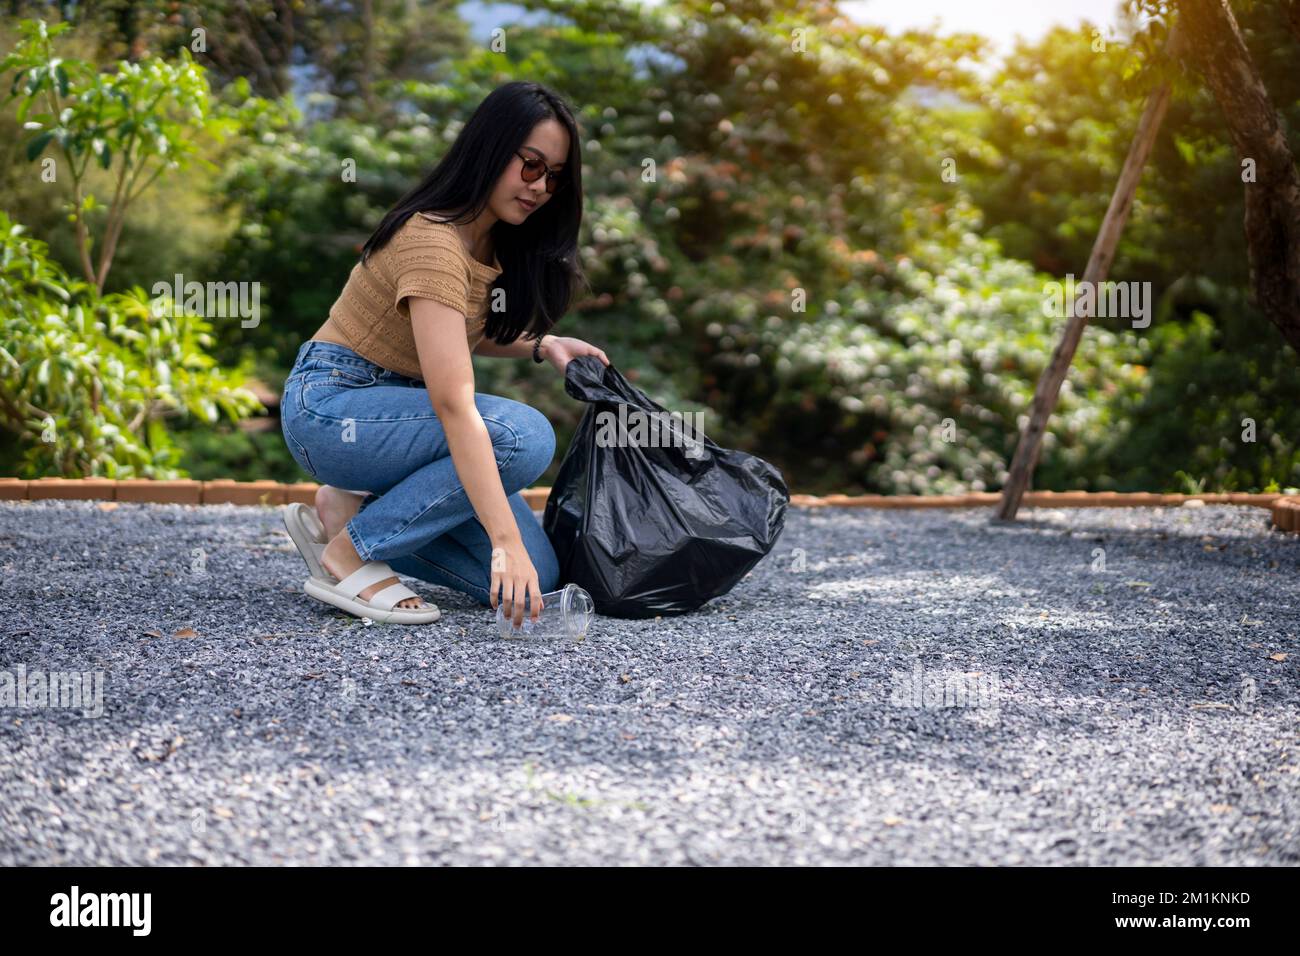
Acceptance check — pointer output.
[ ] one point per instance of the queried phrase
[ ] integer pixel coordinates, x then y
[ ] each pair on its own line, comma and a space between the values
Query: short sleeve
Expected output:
428, 260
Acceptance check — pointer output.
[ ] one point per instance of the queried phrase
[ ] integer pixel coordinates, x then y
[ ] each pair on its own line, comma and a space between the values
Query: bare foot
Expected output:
336, 508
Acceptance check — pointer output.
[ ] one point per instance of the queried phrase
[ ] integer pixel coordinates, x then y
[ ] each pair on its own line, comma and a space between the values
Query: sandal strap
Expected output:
311, 521
372, 572
387, 598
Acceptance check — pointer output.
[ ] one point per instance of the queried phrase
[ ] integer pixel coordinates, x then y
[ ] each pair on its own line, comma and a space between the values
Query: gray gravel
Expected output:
1140, 714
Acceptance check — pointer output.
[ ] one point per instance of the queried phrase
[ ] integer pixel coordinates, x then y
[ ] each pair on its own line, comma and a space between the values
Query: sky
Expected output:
999, 20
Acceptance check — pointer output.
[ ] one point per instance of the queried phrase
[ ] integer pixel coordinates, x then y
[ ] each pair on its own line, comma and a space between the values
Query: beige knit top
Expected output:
425, 258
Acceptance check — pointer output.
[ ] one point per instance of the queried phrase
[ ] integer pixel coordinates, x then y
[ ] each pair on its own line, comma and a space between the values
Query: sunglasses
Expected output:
534, 167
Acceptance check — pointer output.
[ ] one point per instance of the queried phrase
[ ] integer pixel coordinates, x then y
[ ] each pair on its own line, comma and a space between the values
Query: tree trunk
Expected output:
1292, 12
1272, 223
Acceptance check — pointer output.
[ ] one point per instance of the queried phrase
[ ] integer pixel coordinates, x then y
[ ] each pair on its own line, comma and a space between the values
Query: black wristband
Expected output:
537, 350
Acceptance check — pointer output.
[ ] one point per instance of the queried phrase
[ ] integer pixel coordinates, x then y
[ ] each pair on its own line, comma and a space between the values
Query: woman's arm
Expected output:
557, 350
520, 348
449, 376
446, 367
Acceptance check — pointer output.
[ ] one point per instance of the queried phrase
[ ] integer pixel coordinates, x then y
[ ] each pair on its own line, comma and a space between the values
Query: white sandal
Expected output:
381, 607
308, 535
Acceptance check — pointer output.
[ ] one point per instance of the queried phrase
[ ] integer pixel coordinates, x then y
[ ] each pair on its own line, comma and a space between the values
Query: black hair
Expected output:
539, 256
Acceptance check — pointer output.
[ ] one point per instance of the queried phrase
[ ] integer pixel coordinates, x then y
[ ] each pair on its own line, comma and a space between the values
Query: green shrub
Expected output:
88, 383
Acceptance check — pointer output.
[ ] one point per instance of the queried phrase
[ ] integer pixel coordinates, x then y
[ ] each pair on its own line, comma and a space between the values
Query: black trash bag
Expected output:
654, 530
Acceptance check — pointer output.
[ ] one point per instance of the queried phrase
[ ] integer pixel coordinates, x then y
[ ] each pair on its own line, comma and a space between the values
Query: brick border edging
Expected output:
1285, 508
1286, 513
180, 492
1039, 499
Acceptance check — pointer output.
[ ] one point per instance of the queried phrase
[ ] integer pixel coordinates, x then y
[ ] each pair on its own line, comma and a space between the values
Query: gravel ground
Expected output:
887, 687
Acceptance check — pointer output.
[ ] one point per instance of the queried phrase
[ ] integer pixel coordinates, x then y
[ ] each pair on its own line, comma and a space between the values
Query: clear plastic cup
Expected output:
566, 613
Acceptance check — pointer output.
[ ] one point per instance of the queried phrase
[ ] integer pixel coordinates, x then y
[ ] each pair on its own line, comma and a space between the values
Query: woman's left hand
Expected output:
559, 351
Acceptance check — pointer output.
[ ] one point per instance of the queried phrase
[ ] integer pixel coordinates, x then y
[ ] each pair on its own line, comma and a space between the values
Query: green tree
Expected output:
137, 123
87, 383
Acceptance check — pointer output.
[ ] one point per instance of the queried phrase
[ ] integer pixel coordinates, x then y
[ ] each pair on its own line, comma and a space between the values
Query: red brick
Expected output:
13, 489
807, 501
182, 492
1257, 500
1142, 499
1059, 499
226, 492
302, 492
1082, 498
938, 501
894, 501
854, 501
77, 489
1135, 499
536, 497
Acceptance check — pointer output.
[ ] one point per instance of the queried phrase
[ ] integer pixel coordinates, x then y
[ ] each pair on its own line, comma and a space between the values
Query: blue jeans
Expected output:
354, 425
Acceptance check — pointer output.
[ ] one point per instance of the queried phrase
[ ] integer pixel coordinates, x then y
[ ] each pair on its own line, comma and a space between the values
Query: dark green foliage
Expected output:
771, 237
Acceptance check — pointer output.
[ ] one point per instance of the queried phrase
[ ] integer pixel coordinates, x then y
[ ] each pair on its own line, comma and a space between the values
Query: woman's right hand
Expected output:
513, 575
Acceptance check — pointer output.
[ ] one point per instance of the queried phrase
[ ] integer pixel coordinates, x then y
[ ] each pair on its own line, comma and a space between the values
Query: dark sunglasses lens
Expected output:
533, 168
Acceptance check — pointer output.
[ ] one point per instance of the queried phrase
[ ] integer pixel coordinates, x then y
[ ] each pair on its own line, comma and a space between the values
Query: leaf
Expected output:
35, 80
1277, 657
185, 633
38, 144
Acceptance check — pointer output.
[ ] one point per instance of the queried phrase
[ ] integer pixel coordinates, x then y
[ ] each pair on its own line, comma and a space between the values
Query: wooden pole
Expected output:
1103, 254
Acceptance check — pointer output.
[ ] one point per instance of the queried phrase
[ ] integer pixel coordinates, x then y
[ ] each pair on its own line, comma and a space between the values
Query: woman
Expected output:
420, 474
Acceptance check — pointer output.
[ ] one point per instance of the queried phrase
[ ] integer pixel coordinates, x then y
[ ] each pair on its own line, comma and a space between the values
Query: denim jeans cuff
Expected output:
363, 549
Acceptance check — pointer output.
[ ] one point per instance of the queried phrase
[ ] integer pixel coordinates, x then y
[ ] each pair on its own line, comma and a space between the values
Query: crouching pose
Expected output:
420, 474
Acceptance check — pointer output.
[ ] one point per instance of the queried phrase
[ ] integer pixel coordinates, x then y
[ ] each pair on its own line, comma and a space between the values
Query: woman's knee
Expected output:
523, 437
